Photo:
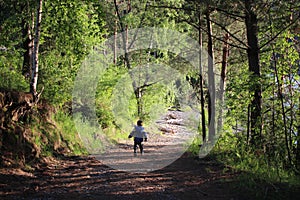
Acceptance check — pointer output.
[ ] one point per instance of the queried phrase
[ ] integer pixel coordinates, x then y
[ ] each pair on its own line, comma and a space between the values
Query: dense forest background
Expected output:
254, 48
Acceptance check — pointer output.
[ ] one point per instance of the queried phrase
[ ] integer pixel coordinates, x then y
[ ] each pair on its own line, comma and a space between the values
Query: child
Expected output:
139, 135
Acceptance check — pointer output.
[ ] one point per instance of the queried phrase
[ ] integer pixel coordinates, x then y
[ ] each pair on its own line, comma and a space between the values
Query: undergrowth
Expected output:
30, 134
260, 175
55, 135
65, 125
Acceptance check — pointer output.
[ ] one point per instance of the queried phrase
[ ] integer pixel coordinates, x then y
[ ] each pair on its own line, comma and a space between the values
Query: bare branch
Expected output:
139, 26
227, 31
172, 7
281, 31
215, 37
119, 16
230, 14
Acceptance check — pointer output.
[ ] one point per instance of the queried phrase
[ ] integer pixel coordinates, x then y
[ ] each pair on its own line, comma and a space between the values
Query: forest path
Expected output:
160, 150
86, 177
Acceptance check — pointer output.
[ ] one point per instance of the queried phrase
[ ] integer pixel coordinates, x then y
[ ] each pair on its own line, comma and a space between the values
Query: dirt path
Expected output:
88, 178
188, 177
167, 141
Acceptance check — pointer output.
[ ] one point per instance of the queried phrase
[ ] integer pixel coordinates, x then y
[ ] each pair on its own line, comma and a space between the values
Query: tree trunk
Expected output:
211, 80
124, 30
248, 124
115, 40
298, 148
27, 45
124, 36
292, 109
138, 95
202, 100
35, 55
223, 81
280, 94
254, 68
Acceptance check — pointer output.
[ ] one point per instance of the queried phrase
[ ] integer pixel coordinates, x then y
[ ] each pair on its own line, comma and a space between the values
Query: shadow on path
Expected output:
87, 178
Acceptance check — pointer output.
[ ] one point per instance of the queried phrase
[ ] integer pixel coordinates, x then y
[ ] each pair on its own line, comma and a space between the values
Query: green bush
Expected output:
11, 79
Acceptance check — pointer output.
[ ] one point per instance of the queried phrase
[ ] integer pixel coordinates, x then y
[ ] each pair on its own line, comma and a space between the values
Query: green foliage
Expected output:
68, 133
70, 30
195, 145
281, 98
10, 46
90, 134
234, 151
237, 91
104, 94
257, 173
11, 78
57, 135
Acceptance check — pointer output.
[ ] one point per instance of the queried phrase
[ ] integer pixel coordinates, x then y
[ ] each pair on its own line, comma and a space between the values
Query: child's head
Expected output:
139, 122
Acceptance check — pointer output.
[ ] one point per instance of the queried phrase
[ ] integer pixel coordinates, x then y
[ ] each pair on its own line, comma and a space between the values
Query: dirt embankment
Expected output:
25, 129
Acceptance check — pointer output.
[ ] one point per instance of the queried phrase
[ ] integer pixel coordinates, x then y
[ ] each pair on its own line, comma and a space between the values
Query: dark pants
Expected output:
138, 141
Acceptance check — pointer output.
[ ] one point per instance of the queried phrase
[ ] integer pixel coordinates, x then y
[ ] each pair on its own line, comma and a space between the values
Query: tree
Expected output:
254, 67
35, 53
211, 78
70, 31
223, 80
67, 33
135, 14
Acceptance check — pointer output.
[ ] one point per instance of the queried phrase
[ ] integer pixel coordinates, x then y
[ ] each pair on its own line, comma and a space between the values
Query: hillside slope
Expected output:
31, 132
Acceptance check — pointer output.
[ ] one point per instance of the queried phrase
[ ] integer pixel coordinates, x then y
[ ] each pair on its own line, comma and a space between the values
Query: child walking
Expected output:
139, 135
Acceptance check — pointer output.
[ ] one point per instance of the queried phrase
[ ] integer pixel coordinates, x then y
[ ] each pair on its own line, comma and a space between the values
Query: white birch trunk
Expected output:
35, 54
211, 80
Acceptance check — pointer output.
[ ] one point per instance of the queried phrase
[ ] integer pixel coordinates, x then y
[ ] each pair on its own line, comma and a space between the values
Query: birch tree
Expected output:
35, 53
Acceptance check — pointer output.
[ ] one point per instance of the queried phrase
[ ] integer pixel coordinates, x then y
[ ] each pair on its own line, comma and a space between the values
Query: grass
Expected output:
56, 135
68, 133
260, 177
